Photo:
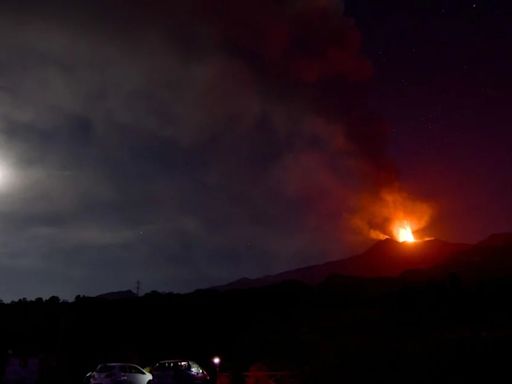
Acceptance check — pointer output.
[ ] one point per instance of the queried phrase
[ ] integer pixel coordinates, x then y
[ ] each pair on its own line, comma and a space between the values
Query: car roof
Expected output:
172, 361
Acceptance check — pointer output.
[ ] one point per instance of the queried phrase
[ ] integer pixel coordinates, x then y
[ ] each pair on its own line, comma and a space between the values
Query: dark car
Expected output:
178, 372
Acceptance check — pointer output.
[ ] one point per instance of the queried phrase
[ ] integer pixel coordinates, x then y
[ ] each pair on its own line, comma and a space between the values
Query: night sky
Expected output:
443, 82
188, 144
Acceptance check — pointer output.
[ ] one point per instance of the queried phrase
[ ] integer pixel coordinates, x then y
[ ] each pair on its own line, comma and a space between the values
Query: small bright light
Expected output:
216, 360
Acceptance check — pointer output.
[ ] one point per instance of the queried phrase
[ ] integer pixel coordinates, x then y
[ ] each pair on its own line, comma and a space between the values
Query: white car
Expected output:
119, 373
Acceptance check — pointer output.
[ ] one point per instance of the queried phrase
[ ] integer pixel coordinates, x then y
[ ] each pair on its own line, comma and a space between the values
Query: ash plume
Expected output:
236, 132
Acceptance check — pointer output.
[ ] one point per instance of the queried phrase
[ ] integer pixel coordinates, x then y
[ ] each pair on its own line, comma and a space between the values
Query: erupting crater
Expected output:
403, 233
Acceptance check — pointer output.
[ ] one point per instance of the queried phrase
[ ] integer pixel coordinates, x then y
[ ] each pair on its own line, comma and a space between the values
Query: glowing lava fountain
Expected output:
403, 233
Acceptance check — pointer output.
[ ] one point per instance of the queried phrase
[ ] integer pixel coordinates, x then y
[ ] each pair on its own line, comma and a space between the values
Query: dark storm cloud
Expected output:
179, 143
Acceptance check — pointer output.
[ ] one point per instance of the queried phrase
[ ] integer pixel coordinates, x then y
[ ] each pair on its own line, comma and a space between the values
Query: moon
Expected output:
5, 176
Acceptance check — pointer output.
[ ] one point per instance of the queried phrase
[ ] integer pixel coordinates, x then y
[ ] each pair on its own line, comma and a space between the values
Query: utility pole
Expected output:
137, 288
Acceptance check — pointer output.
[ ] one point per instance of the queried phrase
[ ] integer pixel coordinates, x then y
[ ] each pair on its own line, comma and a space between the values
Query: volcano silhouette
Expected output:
386, 258
487, 260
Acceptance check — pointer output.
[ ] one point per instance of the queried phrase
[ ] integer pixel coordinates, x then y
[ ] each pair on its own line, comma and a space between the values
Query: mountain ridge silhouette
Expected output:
391, 259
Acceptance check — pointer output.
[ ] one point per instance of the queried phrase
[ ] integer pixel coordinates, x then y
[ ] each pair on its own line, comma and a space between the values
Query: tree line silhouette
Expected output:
343, 330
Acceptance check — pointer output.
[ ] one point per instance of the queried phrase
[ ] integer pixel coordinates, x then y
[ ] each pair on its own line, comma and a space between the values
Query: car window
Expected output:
163, 366
104, 368
131, 369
